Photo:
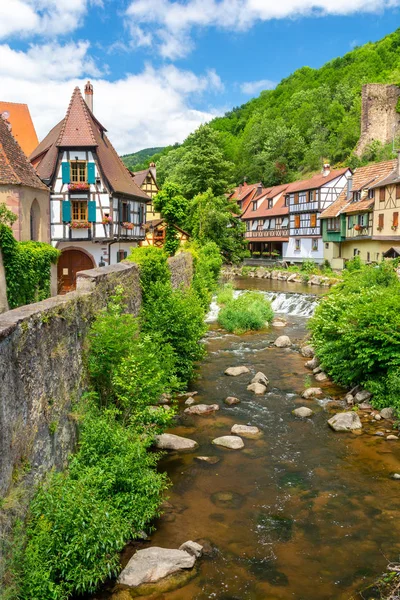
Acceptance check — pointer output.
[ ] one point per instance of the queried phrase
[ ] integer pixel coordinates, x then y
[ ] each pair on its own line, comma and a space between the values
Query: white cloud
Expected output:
170, 23
151, 108
253, 87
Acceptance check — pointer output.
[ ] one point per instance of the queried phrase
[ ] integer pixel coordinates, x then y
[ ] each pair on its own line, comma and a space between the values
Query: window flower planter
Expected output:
107, 220
127, 225
78, 187
379, 228
394, 227
359, 227
80, 225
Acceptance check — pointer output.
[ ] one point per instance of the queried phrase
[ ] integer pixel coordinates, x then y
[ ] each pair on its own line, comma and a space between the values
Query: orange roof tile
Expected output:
22, 126
263, 211
317, 181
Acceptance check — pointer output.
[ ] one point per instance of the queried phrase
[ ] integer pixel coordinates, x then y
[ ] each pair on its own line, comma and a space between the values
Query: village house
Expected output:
306, 200
267, 222
246, 193
97, 210
22, 190
146, 180
363, 221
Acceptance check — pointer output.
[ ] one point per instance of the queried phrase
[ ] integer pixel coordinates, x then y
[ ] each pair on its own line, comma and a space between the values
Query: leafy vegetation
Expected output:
139, 161
173, 208
356, 332
225, 294
27, 266
250, 311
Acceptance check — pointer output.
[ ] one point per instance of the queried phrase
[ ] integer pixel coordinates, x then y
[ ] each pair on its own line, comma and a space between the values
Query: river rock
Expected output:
387, 413
192, 548
303, 412
152, 564
165, 399
201, 409
396, 476
349, 398
392, 437
307, 351
190, 401
211, 460
260, 378
362, 396
258, 388
377, 417
169, 441
231, 400
276, 323
321, 377
365, 406
317, 370
233, 442
247, 431
235, 371
283, 341
379, 433
312, 392
187, 395
313, 363
346, 421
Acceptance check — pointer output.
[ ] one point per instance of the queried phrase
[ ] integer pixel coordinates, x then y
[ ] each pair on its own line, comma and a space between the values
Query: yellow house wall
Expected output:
19, 200
387, 208
374, 247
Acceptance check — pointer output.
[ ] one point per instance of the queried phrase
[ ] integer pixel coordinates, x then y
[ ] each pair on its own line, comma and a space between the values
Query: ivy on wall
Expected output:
27, 267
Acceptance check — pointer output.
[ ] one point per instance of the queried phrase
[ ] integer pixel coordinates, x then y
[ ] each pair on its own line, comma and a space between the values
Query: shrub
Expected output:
207, 261
247, 312
356, 332
308, 266
225, 294
153, 266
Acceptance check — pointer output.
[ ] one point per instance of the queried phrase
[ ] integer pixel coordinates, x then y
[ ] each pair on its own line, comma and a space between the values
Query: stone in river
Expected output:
312, 392
190, 401
235, 371
303, 412
396, 476
345, 421
313, 363
307, 351
321, 376
277, 323
233, 442
152, 564
201, 409
246, 431
365, 406
362, 396
192, 548
387, 413
211, 460
377, 417
283, 341
379, 433
258, 388
231, 400
169, 441
392, 437
260, 378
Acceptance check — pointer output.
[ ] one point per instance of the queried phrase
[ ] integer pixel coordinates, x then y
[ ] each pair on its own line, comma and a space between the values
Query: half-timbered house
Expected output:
146, 180
156, 230
306, 200
97, 209
246, 193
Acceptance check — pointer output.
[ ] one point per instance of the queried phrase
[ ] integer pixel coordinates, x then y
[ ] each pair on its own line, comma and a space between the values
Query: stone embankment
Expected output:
281, 275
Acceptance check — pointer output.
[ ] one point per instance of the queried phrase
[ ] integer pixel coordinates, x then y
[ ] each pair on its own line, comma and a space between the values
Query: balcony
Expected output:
305, 231
304, 207
267, 234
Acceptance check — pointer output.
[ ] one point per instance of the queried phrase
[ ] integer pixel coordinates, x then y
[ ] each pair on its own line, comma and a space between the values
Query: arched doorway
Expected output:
35, 221
70, 263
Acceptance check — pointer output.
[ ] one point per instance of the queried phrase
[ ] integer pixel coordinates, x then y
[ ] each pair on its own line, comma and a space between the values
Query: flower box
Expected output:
358, 227
127, 225
80, 225
78, 187
107, 220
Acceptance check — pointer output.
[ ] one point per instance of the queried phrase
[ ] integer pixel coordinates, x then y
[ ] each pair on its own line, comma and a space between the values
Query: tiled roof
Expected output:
317, 181
263, 211
242, 190
363, 178
22, 127
81, 129
140, 176
15, 168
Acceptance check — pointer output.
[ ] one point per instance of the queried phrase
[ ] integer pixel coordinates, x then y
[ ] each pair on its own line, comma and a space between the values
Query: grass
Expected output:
250, 311
225, 294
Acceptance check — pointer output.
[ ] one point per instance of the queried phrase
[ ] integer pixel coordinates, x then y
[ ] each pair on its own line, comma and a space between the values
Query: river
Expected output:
302, 513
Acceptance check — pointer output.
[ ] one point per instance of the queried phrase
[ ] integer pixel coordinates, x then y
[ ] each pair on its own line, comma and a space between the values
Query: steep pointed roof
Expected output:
81, 129
15, 168
22, 126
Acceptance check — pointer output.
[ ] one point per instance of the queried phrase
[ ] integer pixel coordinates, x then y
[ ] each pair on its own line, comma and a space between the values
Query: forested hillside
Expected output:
312, 115
135, 160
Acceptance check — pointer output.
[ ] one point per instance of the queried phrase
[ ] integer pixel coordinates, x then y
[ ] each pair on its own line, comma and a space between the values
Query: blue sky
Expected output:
162, 67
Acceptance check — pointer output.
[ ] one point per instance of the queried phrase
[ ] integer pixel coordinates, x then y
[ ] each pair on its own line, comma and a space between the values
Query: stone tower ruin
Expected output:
379, 118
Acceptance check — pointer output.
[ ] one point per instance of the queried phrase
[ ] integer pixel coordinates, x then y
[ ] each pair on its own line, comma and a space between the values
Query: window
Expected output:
247, 225
296, 198
297, 245
78, 171
395, 219
371, 193
269, 202
254, 205
254, 225
302, 197
121, 255
266, 224
356, 196
273, 224
382, 194
381, 221
79, 210
125, 212
311, 196
333, 224
327, 246
287, 198
297, 221
363, 220
313, 220
397, 191
285, 222
314, 245
368, 257
356, 252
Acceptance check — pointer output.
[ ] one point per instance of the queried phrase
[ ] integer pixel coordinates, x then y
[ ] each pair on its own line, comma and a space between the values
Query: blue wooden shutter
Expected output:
65, 170
121, 214
66, 211
91, 177
92, 211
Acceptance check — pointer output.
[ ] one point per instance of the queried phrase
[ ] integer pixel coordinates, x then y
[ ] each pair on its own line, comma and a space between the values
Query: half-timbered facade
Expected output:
306, 201
351, 226
245, 194
156, 230
97, 210
146, 180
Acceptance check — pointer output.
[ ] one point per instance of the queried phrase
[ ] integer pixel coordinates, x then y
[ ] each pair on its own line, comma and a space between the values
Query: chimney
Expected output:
153, 170
349, 186
326, 170
259, 189
89, 95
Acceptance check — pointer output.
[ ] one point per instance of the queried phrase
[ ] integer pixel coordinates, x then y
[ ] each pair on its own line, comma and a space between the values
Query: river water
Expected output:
302, 513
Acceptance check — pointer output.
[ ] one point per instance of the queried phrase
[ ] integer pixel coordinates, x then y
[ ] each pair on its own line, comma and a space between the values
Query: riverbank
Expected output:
290, 275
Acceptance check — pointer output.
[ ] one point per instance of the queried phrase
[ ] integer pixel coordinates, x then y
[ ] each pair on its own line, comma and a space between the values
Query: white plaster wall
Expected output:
305, 251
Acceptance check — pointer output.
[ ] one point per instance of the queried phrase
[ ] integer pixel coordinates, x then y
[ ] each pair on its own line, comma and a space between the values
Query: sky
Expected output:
160, 68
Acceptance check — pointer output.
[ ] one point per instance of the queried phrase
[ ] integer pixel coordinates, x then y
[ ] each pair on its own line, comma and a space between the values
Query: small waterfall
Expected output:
285, 303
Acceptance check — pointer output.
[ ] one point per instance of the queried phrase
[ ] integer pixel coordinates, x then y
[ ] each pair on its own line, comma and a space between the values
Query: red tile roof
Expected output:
363, 178
81, 129
22, 127
317, 181
263, 211
15, 168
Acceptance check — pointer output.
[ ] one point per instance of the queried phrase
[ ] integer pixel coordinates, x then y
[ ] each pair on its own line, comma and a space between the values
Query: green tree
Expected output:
173, 208
7, 217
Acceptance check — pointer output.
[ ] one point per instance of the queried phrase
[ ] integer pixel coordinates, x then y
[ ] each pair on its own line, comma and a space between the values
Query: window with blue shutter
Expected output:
66, 211
91, 177
66, 173
92, 211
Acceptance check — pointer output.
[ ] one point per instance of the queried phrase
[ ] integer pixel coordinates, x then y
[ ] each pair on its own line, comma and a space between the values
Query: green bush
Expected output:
309, 266
225, 294
356, 332
207, 261
153, 266
249, 311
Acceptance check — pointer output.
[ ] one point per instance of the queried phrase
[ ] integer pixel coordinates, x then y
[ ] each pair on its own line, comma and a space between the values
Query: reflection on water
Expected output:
301, 513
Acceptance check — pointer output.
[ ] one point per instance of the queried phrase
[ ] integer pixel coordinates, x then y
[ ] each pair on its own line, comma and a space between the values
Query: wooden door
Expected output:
69, 264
